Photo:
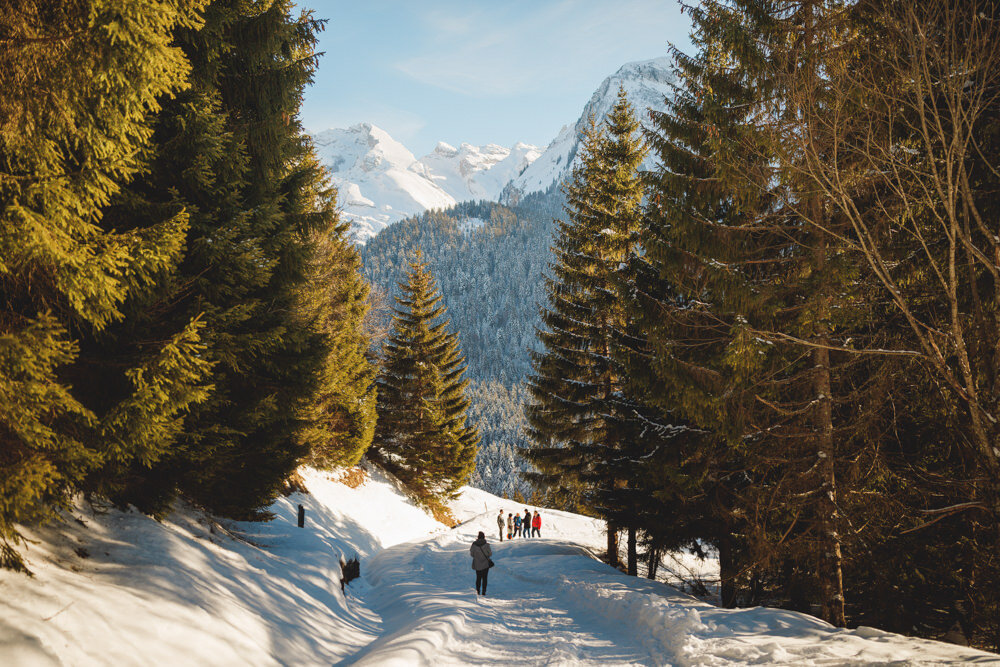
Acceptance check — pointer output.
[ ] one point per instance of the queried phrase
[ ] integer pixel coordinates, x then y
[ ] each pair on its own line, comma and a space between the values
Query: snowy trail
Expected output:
121, 588
425, 594
551, 602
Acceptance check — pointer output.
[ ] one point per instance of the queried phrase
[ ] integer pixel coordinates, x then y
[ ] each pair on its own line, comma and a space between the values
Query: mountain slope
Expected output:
476, 172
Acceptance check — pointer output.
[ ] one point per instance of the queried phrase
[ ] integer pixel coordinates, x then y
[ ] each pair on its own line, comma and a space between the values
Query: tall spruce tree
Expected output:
582, 422
78, 84
275, 351
342, 423
752, 342
421, 434
268, 269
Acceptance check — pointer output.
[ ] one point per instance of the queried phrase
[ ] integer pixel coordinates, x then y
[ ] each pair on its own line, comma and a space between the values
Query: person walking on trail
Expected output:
510, 525
526, 524
481, 563
517, 525
536, 525
500, 524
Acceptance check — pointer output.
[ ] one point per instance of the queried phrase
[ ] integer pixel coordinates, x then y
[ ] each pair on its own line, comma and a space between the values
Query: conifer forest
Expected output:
762, 321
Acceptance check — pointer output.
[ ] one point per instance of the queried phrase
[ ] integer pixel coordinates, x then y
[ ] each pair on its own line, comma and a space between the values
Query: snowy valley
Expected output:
120, 588
726, 342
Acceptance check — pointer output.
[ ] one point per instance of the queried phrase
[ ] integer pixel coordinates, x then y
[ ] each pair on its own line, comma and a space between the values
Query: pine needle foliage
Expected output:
79, 82
281, 311
422, 434
584, 426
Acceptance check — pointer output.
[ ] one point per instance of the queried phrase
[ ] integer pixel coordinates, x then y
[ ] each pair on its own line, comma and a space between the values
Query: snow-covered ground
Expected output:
114, 588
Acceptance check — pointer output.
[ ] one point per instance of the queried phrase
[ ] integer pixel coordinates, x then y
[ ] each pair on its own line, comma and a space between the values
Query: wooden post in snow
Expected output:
302, 516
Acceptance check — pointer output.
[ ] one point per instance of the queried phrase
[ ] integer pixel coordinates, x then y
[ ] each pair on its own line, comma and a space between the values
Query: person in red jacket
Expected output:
536, 525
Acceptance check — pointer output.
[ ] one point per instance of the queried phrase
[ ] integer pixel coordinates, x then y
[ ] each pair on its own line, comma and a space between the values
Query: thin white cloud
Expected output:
402, 124
503, 49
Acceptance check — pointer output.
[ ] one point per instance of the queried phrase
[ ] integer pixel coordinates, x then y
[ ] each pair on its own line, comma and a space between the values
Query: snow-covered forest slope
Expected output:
491, 277
120, 588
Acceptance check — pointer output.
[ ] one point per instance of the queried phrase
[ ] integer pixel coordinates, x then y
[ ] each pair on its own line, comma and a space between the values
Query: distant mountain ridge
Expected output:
381, 182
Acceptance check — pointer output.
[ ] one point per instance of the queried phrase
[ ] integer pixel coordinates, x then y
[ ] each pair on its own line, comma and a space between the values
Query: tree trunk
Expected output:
829, 566
633, 556
652, 562
612, 545
727, 573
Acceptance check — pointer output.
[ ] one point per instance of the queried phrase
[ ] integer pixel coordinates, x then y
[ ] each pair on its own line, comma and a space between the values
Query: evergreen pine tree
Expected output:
751, 341
78, 83
344, 412
421, 434
275, 352
584, 426
268, 270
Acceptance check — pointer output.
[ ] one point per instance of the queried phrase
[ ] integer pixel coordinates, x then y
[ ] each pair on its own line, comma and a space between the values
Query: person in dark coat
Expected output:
526, 523
481, 552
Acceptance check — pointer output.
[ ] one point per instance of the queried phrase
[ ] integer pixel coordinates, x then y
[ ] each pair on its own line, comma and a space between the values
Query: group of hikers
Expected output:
530, 525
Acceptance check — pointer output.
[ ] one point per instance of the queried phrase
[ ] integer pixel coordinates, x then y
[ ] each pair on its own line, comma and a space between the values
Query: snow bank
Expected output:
551, 602
119, 588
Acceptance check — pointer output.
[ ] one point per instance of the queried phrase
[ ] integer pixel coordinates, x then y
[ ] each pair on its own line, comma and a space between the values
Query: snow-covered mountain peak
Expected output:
364, 147
380, 181
445, 149
647, 84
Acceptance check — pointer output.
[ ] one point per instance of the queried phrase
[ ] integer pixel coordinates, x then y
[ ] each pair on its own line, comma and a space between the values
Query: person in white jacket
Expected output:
481, 552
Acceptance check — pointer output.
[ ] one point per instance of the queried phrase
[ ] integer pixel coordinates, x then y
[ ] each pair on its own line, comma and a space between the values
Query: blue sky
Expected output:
480, 71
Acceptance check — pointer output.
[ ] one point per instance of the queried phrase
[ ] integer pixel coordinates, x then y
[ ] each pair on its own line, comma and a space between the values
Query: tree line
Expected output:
782, 343
182, 309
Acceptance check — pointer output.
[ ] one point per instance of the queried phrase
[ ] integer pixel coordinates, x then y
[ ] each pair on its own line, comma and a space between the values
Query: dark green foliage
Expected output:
825, 445
181, 307
422, 435
587, 431
78, 84
343, 422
